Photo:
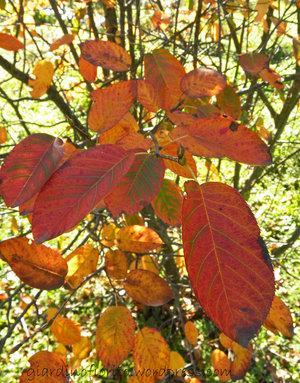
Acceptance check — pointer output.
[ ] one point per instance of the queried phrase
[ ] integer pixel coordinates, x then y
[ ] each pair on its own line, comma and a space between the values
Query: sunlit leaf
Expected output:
138, 239
116, 264
114, 336
43, 72
65, 330
223, 249
10, 43
191, 333
203, 82
64, 40
279, 318
36, 265
147, 288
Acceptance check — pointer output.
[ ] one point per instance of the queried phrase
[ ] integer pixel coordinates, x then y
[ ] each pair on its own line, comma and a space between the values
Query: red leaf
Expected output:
138, 187
10, 43
106, 54
110, 105
28, 167
76, 188
227, 260
203, 82
164, 72
222, 137
146, 96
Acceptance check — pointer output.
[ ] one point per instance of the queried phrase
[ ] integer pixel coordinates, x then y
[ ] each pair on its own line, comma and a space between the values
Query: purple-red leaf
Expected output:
227, 261
28, 167
76, 188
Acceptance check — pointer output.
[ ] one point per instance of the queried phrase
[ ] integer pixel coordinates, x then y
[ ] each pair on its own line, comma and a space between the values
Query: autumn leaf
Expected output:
145, 262
63, 40
164, 72
229, 102
221, 137
203, 82
191, 333
108, 234
115, 134
151, 353
28, 167
139, 286
187, 167
177, 363
138, 187
114, 336
85, 178
36, 265
279, 318
223, 249
10, 43
146, 96
82, 349
138, 239
116, 264
106, 54
221, 365
81, 262
3, 135
65, 330
167, 205
87, 70
46, 361
110, 105
43, 71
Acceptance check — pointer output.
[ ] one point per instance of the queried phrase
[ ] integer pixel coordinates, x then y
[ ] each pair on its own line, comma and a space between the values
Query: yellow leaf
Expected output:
65, 330
45, 361
148, 288
114, 336
145, 262
191, 333
82, 348
221, 365
176, 363
261, 8
151, 353
81, 262
138, 239
279, 318
43, 71
116, 264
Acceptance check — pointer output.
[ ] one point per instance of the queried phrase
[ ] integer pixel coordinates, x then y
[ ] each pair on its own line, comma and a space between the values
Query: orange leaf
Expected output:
43, 71
64, 40
46, 361
108, 234
3, 135
151, 354
221, 137
115, 134
254, 62
273, 78
261, 8
106, 54
36, 265
65, 330
139, 286
168, 202
176, 363
164, 72
82, 348
137, 239
116, 264
146, 96
223, 249
191, 333
221, 365
87, 70
279, 318
81, 262
10, 43
110, 105
203, 82
114, 336
186, 168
